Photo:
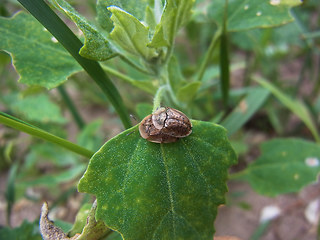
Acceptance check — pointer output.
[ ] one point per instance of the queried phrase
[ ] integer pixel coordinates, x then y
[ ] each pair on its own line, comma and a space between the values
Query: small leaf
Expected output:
143, 109
35, 108
96, 46
81, 219
32, 47
91, 136
150, 19
70, 174
246, 108
244, 15
131, 34
188, 91
94, 229
295, 106
51, 153
103, 15
175, 75
135, 8
285, 165
175, 14
167, 191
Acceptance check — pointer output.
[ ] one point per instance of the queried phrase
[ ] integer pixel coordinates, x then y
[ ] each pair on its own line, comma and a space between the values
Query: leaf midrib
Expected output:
169, 188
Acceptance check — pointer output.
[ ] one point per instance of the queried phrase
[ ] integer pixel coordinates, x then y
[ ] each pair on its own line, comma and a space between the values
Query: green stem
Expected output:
145, 86
37, 132
158, 97
75, 114
43, 13
209, 54
117, 74
134, 65
164, 81
171, 44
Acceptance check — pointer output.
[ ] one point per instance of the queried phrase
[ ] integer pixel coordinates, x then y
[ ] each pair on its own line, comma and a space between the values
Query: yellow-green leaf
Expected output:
131, 34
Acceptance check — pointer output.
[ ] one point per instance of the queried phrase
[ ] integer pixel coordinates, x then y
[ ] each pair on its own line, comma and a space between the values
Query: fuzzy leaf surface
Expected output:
96, 46
38, 58
244, 15
285, 165
130, 34
167, 191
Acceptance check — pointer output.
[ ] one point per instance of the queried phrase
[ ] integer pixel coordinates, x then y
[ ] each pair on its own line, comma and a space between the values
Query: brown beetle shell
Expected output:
165, 125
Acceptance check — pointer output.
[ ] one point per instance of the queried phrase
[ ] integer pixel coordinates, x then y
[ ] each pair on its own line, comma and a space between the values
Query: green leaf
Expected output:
51, 154
150, 19
188, 91
131, 34
143, 109
175, 75
81, 219
35, 108
72, 173
94, 229
245, 110
285, 165
244, 15
175, 14
135, 8
38, 58
103, 15
295, 106
91, 136
25, 231
96, 46
149, 191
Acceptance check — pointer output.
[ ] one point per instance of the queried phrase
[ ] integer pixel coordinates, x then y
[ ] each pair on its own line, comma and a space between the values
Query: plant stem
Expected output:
117, 74
75, 114
144, 85
37, 132
43, 13
158, 97
10, 191
224, 59
134, 65
209, 54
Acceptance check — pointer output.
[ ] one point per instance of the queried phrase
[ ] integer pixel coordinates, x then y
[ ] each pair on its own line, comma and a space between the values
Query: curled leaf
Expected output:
48, 230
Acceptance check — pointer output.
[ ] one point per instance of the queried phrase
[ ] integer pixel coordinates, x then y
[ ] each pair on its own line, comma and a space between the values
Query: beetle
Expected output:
165, 125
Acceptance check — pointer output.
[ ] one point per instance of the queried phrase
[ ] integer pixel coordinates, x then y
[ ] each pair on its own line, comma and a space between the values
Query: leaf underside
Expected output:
149, 191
